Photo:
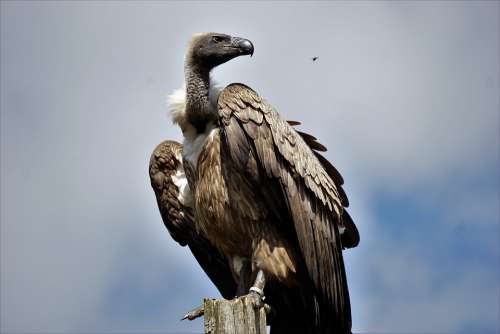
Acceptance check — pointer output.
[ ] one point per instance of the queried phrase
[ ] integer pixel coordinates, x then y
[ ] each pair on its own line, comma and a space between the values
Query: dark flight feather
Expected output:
312, 142
293, 123
312, 197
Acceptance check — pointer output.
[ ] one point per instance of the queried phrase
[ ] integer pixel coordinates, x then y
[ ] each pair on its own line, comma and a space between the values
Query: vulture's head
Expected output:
210, 49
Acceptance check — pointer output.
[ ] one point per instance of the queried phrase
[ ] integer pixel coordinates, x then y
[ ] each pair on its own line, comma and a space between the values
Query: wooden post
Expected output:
235, 316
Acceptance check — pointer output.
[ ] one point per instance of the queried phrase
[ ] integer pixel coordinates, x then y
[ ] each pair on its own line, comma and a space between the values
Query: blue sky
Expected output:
404, 94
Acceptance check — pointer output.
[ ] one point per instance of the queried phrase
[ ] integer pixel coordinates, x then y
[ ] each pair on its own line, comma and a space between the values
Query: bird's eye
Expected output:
217, 39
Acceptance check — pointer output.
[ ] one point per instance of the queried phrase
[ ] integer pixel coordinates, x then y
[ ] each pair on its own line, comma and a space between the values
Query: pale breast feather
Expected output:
193, 142
193, 146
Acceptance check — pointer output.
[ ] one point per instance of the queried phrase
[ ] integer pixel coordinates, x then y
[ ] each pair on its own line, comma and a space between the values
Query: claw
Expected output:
196, 313
256, 299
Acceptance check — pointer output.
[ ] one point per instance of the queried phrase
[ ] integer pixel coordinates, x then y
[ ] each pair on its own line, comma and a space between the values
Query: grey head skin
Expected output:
208, 50
205, 52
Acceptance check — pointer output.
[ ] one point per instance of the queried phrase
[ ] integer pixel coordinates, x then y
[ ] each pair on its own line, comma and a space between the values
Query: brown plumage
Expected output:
309, 194
264, 199
178, 217
165, 162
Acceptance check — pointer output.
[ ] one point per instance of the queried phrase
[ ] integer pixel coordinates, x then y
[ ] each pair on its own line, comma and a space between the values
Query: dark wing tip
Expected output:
350, 237
312, 141
293, 123
330, 170
307, 137
343, 197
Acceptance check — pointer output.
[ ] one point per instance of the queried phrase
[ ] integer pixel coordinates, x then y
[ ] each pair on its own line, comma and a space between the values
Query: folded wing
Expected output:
174, 201
314, 200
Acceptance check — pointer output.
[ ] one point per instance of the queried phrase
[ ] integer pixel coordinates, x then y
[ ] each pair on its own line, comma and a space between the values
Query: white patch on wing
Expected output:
179, 179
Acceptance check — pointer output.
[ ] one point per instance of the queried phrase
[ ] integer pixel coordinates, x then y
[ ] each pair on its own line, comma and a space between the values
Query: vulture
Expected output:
260, 208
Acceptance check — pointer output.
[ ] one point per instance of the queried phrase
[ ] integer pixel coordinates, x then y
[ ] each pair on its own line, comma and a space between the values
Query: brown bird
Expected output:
260, 208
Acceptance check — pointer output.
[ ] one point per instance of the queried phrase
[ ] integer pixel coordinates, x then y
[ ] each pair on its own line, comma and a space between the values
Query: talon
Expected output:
196, 313
256, 299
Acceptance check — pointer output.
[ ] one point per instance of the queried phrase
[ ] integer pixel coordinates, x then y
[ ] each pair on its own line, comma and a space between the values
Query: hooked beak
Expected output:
244, 45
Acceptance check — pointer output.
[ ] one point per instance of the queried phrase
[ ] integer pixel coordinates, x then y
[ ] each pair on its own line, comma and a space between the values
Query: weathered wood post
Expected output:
236, 316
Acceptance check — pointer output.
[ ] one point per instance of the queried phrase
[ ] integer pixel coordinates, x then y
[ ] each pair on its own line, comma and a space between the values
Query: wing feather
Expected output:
348, 231
311, 195
312, 141
174, 203
164, 164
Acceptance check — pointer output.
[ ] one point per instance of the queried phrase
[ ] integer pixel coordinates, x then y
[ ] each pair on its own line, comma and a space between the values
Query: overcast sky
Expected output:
404, 94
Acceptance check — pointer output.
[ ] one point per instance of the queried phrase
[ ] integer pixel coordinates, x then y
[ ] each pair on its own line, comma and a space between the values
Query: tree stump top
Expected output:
236, 316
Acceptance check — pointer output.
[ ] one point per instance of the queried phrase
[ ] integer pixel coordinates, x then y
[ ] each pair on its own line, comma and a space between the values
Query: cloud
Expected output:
401, 292
405, 96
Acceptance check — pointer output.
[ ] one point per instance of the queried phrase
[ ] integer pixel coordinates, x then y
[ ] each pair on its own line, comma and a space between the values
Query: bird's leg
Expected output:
244, 278
256, 293
193, 314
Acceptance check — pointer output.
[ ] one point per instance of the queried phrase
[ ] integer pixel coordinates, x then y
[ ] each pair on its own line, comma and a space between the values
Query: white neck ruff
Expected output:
193, 141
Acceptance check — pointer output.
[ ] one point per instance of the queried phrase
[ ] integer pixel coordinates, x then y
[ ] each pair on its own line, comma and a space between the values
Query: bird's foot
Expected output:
257, 301
256, 298
193, 314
